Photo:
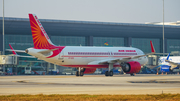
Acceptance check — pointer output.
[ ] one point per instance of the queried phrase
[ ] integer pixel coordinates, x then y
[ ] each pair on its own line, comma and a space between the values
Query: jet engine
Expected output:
166, 68
89, 70
131, 67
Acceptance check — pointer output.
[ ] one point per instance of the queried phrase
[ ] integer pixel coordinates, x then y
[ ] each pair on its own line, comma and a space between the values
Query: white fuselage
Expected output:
175, 59
77, 56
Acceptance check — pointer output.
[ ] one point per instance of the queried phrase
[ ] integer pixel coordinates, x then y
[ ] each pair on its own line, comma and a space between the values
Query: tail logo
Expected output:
40, 37
42, 29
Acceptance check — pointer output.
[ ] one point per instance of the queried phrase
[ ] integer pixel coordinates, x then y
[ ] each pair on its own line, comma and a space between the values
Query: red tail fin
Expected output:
40, 37
152, 47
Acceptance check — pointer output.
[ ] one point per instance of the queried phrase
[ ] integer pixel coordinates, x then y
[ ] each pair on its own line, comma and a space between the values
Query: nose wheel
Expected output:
80, 72
110, 72
132, 74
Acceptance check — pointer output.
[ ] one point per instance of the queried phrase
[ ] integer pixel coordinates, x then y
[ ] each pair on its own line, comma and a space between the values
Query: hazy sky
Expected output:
126, 11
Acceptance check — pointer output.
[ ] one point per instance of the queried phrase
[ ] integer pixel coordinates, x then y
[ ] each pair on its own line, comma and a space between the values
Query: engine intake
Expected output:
131, 67
166, 68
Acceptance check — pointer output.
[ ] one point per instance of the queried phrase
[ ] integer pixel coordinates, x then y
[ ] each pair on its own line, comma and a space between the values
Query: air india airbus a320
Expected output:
86, 59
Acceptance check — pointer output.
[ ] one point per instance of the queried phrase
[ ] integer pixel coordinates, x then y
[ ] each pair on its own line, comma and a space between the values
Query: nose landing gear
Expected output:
80, 72
132, 74
110, 72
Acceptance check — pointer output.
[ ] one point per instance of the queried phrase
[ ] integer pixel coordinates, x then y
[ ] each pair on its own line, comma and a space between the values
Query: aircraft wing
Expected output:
118, 60
121, 60
106, 61
125, 59
173, 64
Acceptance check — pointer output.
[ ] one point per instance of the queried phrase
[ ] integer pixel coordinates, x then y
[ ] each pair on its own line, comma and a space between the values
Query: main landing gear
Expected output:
110, 72
80, 72
132, 74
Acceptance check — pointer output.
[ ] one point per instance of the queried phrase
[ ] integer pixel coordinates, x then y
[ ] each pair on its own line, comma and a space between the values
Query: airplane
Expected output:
169, 64
85, 58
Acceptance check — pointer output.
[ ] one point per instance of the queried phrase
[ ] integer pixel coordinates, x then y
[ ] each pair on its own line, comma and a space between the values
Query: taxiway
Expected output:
90, 84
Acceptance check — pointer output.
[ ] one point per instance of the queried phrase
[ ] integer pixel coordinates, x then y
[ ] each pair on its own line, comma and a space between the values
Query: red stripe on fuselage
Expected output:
56, 52
94, 56
91, 66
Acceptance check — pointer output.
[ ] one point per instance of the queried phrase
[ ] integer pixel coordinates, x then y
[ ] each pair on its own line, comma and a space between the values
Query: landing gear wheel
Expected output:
111, 73
81, 73
106, 73
77, 73
132, 74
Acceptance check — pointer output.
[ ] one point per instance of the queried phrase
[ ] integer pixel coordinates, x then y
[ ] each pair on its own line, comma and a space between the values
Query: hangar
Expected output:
88, 33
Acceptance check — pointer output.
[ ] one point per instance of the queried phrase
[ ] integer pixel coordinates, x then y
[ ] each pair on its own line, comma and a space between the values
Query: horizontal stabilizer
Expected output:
21, 51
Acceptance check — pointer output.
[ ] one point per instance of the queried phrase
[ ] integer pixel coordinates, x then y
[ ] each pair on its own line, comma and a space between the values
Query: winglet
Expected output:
12, 50
152, 47
168, 57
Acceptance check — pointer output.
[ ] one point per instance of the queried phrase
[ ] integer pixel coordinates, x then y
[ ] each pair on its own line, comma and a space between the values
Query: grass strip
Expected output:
85, 97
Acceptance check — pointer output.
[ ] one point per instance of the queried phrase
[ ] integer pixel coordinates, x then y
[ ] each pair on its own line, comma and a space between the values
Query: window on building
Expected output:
144, 44
108, 41
18, 42
173, 45
68, 40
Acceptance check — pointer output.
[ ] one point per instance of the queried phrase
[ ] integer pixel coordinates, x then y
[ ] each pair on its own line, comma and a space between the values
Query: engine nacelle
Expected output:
89, 70
131, 67
166, 68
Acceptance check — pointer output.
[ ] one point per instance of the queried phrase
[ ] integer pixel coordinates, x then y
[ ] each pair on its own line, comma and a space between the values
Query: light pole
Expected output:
163, 27
3, 36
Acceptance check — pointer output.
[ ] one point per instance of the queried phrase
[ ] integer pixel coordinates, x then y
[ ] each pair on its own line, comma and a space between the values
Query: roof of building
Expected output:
165, 23
21, 26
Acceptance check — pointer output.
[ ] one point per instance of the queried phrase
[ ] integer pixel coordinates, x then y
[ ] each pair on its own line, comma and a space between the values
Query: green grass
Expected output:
85, 97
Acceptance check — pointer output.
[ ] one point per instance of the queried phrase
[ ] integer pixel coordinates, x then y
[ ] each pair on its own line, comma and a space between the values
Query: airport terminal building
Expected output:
88, 33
